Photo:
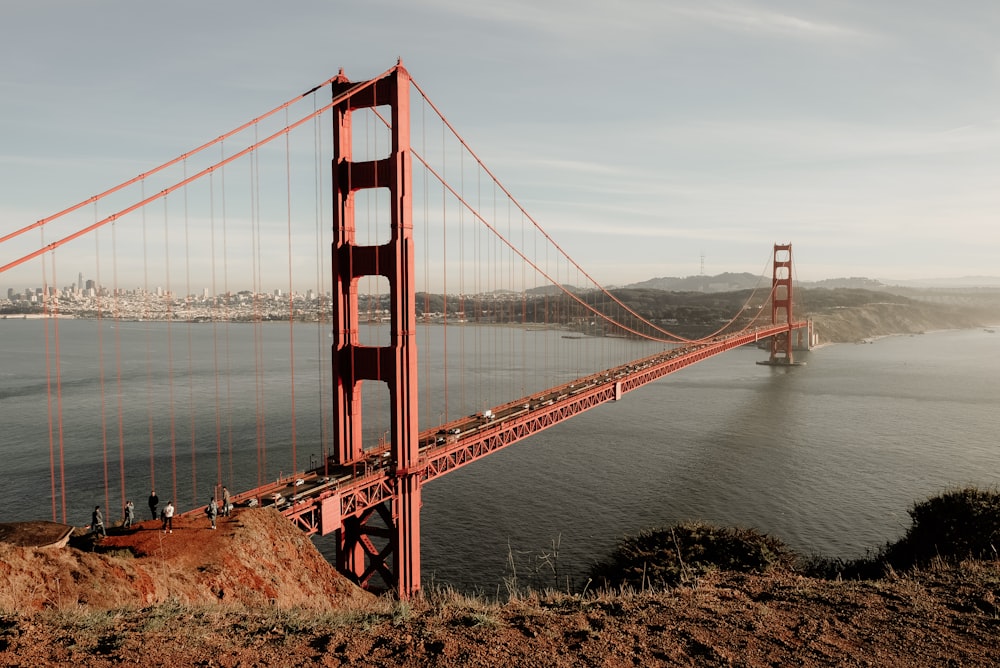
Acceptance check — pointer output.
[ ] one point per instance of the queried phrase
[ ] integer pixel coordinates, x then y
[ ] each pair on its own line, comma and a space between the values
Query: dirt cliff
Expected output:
255, 558
257, 593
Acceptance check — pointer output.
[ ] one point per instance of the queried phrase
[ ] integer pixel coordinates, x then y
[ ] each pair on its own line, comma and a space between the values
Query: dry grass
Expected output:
761, 612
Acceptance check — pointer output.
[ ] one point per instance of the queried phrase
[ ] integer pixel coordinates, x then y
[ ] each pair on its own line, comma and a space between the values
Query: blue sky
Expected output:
642, 135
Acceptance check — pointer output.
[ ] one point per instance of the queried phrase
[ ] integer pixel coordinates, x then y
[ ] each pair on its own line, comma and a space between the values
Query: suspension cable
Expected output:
169, 163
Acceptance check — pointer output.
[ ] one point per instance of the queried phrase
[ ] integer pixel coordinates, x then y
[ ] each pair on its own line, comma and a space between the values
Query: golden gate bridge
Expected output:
402, 229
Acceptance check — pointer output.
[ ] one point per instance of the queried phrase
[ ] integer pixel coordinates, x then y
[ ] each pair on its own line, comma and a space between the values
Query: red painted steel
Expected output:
395, 364
370, 497
169, 163
338, 94
352, 492
781, 303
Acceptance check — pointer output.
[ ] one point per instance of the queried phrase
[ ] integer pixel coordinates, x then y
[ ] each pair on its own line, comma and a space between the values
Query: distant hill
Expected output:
852, 283
961, 282
840, 314
728, 281
725, 282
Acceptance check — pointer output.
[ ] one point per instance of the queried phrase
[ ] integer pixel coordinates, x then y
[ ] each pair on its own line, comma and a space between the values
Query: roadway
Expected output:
319, 500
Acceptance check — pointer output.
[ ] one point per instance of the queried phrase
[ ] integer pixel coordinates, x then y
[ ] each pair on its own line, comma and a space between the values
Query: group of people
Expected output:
166, 514
213, 509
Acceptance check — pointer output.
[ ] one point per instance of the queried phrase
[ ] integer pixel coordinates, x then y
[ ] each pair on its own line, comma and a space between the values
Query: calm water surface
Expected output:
828, 457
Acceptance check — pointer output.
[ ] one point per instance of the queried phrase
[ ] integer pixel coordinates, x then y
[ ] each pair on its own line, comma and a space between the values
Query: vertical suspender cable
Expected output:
100, 369
226, 321
425, 187
58, 364
525, 339
255, 276
190, 347
444, 273
149, 345
215, 332
168, 304
512, 334
291, 296
478, 357
258, 320
48, 385
496, 285
320, 250
118, 357
461, 284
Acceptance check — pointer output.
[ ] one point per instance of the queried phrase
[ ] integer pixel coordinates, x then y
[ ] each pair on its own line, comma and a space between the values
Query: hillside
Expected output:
256, 558
840, 315
944, 617
846, 322
283, 606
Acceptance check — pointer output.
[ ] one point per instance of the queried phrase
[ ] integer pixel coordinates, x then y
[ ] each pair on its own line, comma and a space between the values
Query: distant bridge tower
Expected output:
781, 304
397, 521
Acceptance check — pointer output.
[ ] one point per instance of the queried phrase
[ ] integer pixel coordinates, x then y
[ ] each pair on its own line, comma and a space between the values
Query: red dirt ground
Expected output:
254, 558
257, 593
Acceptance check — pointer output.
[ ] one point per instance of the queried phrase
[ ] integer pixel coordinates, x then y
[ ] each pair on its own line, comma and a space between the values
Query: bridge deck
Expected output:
318, 500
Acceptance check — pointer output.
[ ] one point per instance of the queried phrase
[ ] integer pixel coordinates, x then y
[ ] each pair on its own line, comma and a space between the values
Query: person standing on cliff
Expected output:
168, 517
97, 522
212, 510
129, 514
154, 501
227, 503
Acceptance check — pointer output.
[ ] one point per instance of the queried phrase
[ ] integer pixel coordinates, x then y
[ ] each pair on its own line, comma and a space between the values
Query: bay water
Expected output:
827, 457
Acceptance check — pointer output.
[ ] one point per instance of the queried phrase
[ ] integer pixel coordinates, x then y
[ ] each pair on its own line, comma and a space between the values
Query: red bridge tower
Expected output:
781, 304
396, 364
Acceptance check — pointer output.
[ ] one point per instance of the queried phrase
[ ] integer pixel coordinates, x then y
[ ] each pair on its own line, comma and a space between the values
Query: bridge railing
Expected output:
320, 500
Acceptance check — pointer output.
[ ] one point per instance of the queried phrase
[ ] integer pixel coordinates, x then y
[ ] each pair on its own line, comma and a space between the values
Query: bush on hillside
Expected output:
670, 556
954, 526
957, 525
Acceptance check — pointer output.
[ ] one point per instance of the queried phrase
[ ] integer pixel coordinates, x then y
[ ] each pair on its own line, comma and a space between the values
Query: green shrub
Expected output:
670, 556
957, 525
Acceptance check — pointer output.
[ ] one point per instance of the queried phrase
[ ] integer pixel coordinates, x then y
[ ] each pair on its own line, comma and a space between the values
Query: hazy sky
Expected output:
641, 134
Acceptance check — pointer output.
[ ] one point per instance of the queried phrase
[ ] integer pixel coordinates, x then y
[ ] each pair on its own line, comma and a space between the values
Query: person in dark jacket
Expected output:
154, 501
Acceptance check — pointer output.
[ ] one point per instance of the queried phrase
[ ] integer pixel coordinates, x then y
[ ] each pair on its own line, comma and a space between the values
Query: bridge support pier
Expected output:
357, 554
398, 563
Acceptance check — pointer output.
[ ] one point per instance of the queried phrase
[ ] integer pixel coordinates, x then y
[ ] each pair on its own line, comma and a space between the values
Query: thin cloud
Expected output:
750, 19
588, 19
